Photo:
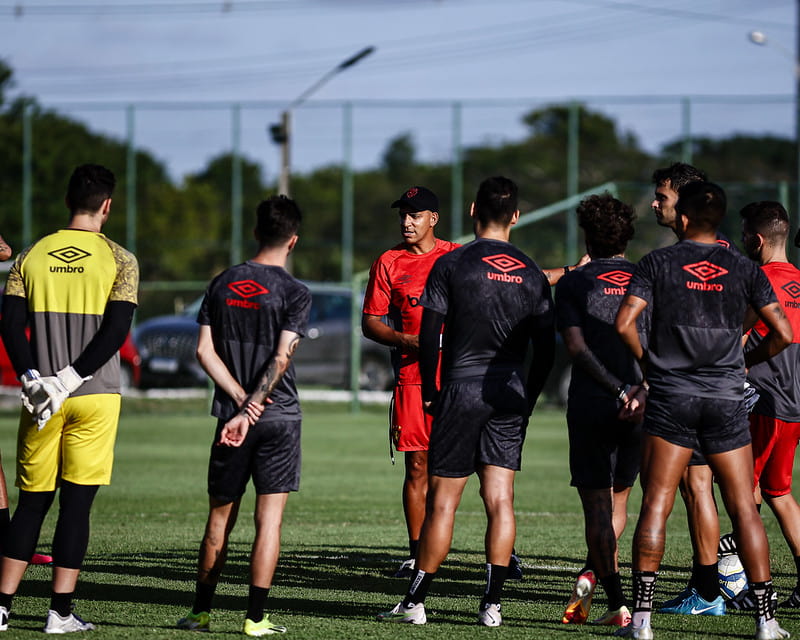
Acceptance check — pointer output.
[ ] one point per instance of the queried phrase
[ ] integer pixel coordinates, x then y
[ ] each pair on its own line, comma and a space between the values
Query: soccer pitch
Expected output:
343, 534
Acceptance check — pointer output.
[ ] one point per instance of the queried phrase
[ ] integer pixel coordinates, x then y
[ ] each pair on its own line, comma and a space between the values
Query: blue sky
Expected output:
182, 62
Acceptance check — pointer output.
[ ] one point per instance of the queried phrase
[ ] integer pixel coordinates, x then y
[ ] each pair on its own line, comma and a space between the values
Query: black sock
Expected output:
763, 594
758, 506
256, 602
413, 545
5, 600
203, 593
612, 585
495, 578
61, 603
418, 588
706, 581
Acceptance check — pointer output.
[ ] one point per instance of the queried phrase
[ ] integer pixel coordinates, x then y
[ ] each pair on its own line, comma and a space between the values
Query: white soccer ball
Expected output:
732, 578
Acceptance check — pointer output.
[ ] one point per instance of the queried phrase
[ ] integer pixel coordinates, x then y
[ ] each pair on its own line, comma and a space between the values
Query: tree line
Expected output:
184, 229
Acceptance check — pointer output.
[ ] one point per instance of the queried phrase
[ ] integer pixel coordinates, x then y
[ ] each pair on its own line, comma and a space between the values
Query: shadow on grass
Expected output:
350, 575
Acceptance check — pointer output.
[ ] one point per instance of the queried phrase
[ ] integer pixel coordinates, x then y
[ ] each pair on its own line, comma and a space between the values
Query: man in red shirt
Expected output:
775, 420
396, 281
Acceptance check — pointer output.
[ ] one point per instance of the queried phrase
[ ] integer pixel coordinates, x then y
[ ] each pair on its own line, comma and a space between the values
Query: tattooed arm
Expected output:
235, 430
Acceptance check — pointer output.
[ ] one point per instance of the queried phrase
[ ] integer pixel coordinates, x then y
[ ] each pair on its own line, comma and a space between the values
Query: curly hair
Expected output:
607, 223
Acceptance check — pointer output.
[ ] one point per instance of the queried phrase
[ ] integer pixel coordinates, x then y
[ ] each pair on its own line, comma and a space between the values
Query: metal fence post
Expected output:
457, 176
236, 184
573, 139
347, 192
27, 175
130, 193
686, 127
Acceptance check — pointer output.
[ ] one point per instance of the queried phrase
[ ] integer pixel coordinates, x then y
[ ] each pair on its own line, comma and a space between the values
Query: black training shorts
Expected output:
716, 425
270, 455
478, 422
604, 451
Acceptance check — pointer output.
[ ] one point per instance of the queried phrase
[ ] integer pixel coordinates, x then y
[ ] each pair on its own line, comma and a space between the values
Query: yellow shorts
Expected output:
76, 444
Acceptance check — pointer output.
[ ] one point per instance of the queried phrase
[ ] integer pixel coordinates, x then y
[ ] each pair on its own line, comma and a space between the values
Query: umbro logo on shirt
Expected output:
503, 263
793, 289
704, 271
68, 255
245, 289
619, 279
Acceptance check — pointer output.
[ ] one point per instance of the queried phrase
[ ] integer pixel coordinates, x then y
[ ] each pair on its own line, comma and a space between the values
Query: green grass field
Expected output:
343, 533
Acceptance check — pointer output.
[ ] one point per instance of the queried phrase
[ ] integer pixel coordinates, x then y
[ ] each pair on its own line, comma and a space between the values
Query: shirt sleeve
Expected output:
204, 315
298, 309
15, 285
567, 311
641, 284
378, 296
126, 284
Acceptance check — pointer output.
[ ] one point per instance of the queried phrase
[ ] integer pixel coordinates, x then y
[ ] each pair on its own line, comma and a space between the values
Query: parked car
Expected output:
130, 371
167, 345
129, 367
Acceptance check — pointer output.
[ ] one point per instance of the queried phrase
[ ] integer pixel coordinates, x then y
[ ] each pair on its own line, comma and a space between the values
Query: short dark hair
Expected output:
496, 201
607, 223
277, 220
704, 203
767, 218
89, 186
678, 174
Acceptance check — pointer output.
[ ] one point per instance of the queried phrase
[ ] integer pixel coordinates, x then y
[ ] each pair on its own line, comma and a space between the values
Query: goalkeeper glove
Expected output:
60, 386
35, 396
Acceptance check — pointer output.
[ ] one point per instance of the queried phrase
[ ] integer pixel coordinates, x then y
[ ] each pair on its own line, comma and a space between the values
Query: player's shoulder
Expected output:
390, 256
121, 255
445, 246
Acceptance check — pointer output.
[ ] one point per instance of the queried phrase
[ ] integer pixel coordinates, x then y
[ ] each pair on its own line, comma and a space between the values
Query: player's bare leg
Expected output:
733, 470
267, 544
663, 464
601, 540
11, 572
415, 492
619, 516
497, 492
697, 490
787, 512
214, 547
444, 496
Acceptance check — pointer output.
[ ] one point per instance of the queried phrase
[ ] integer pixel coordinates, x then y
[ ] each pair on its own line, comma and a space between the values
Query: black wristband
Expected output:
623, 391
566, 269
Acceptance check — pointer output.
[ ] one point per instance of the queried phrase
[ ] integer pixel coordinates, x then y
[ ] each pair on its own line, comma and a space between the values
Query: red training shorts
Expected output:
411, 426
774, 444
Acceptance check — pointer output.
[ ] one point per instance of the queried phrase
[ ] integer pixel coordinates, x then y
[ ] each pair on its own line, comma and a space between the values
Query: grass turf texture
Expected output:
343, 534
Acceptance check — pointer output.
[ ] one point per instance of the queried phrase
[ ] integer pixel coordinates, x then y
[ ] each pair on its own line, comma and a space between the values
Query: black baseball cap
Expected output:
418, 199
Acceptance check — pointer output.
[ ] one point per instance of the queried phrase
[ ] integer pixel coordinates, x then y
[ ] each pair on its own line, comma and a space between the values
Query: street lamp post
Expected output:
281, 133
759, 38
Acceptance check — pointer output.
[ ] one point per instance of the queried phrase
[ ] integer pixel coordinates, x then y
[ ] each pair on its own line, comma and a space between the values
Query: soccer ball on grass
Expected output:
732, 578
